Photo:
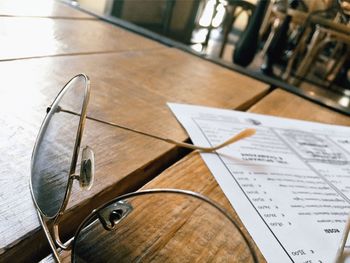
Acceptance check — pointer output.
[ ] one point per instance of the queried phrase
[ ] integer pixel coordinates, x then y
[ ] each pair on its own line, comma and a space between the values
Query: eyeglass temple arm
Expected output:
241, 135
340, 251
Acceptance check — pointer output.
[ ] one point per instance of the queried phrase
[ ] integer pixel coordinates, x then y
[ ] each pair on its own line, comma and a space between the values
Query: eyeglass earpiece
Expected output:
87, 168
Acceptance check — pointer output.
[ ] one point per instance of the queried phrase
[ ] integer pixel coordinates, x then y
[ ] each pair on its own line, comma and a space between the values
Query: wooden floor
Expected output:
132, 79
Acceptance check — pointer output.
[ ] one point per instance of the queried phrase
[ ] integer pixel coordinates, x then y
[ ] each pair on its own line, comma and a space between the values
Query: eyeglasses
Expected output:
148, 225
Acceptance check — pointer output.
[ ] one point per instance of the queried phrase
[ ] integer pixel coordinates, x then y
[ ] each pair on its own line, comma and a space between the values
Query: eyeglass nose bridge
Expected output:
111, 215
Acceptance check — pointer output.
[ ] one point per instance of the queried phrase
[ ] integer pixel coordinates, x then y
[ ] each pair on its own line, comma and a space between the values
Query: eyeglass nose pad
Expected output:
87, 168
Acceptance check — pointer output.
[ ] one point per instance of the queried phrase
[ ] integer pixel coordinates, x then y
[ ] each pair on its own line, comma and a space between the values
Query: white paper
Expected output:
289, 183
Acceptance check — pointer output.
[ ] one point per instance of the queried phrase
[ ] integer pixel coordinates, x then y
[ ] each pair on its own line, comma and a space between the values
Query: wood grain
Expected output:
40, 8
148, 79
130, 88
284, 104
192, 174
24, 37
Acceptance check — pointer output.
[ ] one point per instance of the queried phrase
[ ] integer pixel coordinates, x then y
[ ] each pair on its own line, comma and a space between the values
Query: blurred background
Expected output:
304, 44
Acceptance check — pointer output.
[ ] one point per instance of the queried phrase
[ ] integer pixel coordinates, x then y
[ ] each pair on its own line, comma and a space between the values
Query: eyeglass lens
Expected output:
163, 227
54, 150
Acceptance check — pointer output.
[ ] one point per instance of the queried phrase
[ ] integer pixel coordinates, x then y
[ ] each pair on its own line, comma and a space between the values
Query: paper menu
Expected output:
289, 183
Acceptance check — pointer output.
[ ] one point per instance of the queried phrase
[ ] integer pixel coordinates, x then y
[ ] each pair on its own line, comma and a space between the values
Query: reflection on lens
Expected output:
54, 149
160, 227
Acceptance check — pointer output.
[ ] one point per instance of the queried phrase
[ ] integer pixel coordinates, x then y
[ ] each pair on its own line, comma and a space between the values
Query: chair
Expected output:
234, 9
329, 38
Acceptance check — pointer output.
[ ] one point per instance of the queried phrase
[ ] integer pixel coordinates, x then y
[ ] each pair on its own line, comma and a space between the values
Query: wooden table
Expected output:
40, 8
132, 78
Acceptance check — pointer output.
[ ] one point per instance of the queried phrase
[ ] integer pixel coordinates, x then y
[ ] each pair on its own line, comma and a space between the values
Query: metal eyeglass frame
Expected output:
56, 240
72, 175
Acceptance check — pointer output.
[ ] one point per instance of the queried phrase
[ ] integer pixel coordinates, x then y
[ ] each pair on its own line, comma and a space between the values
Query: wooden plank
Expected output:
24, 37
40, 8
168, 75
192, 174
130, 88
150, 79
284, 104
